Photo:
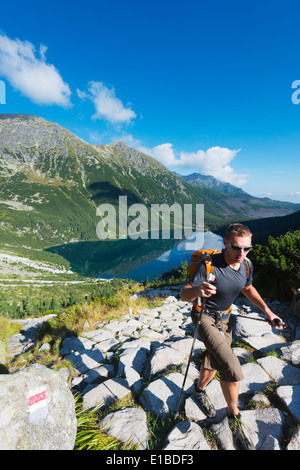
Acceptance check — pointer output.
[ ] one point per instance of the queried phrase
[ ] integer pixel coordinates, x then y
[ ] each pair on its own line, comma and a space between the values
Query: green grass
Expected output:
90, 436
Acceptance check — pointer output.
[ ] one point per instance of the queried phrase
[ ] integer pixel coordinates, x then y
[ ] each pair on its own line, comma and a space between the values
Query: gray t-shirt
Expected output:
229, 283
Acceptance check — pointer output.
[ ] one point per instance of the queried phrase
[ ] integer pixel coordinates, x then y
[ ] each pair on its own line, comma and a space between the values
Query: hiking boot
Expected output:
204, 401
240, 440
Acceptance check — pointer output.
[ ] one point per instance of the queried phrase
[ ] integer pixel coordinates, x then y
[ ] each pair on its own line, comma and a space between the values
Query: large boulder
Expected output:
37, 411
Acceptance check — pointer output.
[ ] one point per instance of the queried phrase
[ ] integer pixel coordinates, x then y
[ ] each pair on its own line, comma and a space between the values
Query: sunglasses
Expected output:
239, 248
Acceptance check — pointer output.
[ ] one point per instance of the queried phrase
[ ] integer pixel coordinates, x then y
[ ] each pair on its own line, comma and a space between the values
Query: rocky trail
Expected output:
146, 353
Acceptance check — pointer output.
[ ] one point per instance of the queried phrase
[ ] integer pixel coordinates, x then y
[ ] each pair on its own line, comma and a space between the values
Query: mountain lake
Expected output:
175, 256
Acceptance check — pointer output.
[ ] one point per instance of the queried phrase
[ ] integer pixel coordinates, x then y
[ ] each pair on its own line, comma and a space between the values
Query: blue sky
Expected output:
201, 86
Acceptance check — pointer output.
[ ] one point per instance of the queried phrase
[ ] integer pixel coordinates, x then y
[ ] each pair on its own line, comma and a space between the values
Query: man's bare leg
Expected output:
231, 394
206, 375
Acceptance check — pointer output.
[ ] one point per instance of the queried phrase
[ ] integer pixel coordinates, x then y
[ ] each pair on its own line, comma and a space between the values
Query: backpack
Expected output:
196, 258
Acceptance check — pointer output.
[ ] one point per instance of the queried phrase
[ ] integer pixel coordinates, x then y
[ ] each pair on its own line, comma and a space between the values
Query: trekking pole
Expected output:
203, 303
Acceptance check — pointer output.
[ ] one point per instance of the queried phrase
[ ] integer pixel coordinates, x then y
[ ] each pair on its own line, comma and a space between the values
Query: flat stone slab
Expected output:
127, 425
132, 357
263, 423
99, 335
280, 371
105, 393
162, 395
247, 326
184, 346
255, 378
260, 425
290, 396
72, 344
265, 343
164, 357
291, 352
86, 359
186, 436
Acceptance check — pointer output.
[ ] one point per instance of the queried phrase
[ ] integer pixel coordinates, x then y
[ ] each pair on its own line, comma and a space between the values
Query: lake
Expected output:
134, 259
175, 256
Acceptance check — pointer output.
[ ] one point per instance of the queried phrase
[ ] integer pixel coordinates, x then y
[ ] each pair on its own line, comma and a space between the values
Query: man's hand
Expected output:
251, 293
189, 293
276, 322
207, 289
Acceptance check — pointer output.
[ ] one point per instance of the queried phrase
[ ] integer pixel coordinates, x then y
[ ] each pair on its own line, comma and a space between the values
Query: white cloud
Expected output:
215, 161
107, 105
164, 153
29, 73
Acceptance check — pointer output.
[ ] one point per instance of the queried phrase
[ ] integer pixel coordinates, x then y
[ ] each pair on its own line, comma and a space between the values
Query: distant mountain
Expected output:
211, 183
51, 183
248, 206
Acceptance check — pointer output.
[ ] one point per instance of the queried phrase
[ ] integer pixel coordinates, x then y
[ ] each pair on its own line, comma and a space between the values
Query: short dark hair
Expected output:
239, 230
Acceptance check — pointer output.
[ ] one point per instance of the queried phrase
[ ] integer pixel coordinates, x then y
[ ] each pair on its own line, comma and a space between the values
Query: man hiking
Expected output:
232, 274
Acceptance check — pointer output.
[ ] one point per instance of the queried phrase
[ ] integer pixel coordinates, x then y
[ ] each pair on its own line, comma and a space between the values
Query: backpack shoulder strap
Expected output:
208, 263
248, 268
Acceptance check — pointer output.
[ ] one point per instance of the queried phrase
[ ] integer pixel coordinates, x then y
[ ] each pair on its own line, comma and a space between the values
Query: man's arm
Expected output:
251, 293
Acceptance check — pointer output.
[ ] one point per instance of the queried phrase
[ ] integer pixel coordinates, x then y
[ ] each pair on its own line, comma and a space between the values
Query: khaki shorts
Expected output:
218, 354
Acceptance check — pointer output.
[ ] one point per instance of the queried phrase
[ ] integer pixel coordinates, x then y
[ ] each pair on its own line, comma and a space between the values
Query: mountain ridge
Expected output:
53, 181
210, 182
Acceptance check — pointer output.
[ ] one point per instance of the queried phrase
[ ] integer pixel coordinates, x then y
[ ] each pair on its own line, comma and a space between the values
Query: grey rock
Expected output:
18, 344
265, 343
99, 335
186, 436
243, 354
255, 379
280, 371
128, 425
162, 358
142, 342
245, 327
133, 379
223, 434
294, 443
73, 344
162, 395
291, 352
105, 393
85, 360
99, 374
161, 338
290, 397
37, 411
270, 443
259, 425
263, 423
184, 346
132, 357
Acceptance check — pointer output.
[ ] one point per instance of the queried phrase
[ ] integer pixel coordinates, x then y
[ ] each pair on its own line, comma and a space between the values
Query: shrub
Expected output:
278, 265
